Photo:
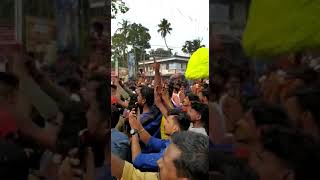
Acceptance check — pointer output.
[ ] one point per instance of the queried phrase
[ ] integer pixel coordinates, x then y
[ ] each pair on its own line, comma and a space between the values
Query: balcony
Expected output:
167, 72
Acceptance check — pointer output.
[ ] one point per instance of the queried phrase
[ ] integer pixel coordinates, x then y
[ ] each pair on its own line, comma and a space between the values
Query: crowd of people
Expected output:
265, 125
160, 128
55, 118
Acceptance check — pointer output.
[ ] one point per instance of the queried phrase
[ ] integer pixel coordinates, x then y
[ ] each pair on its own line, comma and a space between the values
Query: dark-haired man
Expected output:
199, 116
259, 115
185, 158
286, 154
176, 121
151, 116
303, 109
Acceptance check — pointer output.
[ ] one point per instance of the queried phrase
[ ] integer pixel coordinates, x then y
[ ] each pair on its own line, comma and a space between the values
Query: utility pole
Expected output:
18, 20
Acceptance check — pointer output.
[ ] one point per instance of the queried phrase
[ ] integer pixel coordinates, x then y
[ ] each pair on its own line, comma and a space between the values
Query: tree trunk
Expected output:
165, 41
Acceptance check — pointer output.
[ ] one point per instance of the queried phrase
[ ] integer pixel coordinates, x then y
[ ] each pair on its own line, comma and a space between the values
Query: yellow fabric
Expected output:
277, 27
131, 173
198, 65
163, 134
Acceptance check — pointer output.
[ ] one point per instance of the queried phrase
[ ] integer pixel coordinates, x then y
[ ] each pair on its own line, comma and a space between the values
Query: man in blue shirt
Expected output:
151, 116
175, 122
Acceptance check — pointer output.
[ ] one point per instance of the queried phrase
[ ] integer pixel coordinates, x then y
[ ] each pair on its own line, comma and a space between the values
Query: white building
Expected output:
168, 65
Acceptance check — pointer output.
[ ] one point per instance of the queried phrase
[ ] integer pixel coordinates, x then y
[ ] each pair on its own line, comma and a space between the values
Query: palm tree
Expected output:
164, 29
124, 31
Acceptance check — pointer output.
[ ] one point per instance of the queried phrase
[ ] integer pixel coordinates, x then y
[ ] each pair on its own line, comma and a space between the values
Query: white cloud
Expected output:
189, 20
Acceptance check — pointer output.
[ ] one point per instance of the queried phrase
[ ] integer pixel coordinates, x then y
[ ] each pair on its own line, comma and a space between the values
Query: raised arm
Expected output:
136, 124
158, 101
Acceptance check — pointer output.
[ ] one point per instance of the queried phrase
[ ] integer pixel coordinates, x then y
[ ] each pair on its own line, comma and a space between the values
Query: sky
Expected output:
189, 20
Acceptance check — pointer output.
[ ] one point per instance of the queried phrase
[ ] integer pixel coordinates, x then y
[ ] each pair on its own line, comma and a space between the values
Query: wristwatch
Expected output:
133, 132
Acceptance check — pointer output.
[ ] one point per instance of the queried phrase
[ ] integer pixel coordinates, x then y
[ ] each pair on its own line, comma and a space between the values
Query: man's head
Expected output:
177, 121
145, 96
9, 85
191, 97
286, 154
303, 109
186, 157
233, 85
199, 112
204, 96
259, 115
224, 166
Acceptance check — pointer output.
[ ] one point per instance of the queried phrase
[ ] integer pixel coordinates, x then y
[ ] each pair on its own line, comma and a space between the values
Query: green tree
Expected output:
164, 29
160, 52
190, 47
119, 49
134, 35
118, 6
138, 38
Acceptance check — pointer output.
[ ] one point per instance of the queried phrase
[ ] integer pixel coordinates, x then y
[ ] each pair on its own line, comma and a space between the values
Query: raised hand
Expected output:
134, 121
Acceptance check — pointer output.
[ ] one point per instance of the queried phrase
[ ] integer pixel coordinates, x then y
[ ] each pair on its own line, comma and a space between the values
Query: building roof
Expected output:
174, 58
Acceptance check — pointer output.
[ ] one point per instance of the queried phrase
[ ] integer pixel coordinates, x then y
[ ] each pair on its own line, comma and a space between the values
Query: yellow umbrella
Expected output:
198, 65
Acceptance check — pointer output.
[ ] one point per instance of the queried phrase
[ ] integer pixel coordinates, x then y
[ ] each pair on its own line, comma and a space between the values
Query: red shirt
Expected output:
113, 100
7, 124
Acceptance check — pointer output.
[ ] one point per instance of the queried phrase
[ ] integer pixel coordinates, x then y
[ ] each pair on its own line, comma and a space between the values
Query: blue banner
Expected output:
131, 66
67, 17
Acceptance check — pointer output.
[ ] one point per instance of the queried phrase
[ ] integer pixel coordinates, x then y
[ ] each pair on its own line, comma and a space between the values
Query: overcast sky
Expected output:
189, 20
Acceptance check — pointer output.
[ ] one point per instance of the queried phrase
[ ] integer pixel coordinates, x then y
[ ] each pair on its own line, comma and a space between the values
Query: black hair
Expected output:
71, 83
308, 99
14, 162
228, 167
10, 83
181, 118
235, 73
115, 115
307, 74
98, 27
148, 94
193, 97
299, 151
267, 114
205, 93
203, 109
193, 162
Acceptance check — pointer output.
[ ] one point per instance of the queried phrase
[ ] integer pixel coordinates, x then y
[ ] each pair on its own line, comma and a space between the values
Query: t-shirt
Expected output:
151, 121
148, 161
198, 130
163, 134
131, 173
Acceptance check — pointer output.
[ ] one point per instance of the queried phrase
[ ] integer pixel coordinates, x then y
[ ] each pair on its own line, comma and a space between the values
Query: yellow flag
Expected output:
277, 27
198, 65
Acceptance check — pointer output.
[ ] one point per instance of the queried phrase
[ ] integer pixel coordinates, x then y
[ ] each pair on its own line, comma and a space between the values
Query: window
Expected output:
174, 66
183, 66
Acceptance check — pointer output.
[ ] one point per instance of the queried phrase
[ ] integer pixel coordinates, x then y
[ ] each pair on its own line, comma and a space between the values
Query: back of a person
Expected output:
151, 121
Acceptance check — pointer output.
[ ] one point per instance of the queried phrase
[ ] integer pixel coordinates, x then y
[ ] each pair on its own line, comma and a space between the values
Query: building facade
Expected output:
168, 66
228, 19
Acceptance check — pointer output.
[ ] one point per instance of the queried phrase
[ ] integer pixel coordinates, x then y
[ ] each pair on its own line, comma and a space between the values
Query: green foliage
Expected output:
191, 46
118, 6
139, 36
134, 35
160, 52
